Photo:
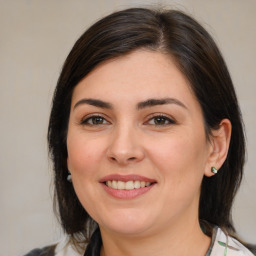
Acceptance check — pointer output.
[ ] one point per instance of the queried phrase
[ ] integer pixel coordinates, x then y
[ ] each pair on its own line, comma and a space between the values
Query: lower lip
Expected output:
126, 194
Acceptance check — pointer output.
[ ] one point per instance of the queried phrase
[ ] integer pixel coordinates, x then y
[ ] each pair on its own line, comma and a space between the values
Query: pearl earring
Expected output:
69, 177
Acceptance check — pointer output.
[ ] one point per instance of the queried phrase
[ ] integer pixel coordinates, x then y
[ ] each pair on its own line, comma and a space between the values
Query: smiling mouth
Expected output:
128, 185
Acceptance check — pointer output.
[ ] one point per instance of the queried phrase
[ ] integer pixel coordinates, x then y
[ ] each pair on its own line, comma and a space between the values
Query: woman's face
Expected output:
137, 148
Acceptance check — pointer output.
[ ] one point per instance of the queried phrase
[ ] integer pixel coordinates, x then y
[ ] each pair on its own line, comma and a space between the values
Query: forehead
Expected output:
137, 75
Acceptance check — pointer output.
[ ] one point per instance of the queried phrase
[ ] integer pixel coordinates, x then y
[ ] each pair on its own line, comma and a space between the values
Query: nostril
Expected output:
123, 160
132, 158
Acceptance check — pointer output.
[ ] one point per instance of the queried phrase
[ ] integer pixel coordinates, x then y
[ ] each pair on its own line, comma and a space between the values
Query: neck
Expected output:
182, 239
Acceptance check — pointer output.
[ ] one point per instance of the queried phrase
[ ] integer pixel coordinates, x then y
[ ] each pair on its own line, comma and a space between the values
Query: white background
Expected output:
35, 38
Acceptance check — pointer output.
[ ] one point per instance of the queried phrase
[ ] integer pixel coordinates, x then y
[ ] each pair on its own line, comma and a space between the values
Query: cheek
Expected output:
83, 163
83, 155
180, 156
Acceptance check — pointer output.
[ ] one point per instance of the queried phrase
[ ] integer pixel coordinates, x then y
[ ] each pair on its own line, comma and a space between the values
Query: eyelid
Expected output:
167, 117
84, 119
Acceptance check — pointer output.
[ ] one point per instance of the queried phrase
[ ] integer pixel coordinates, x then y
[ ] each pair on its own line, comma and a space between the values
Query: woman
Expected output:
147, 140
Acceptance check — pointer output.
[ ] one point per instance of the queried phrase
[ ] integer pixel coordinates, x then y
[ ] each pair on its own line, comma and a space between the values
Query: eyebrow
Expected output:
140, 105
155, 102
94, 102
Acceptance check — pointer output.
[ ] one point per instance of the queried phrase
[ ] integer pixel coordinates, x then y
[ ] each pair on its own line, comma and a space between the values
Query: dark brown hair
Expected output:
198, 58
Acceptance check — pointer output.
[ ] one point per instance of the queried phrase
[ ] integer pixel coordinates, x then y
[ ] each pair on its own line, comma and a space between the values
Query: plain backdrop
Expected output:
36, 36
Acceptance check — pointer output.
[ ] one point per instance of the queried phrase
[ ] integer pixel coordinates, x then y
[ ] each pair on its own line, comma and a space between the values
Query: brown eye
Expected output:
160, 121
94, 120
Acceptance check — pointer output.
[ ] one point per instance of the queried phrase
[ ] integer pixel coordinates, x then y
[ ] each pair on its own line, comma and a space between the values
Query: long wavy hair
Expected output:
177, 35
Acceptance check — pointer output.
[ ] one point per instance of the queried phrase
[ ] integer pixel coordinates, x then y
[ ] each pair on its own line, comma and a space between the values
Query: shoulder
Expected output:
61, 248
46, 251
225, 245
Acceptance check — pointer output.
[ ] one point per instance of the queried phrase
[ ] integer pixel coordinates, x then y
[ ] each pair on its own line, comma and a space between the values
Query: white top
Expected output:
221, 245
227, 246
63, 248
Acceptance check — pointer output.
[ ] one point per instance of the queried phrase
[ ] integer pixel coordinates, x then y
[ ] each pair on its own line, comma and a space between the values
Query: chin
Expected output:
125, 229
127, 223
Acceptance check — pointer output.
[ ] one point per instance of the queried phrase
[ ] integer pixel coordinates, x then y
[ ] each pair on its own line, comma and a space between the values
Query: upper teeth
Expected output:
127, 185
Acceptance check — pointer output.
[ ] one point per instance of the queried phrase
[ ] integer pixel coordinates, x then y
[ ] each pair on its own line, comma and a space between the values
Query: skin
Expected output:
164, 142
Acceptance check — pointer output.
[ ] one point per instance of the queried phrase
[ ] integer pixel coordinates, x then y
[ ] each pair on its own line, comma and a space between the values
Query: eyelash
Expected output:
160, 117
89, 121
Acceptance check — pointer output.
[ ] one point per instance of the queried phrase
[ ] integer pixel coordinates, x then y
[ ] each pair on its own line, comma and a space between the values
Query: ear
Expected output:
219, 145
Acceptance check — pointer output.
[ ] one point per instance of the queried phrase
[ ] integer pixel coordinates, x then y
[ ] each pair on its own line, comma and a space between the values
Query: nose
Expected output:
125, 146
